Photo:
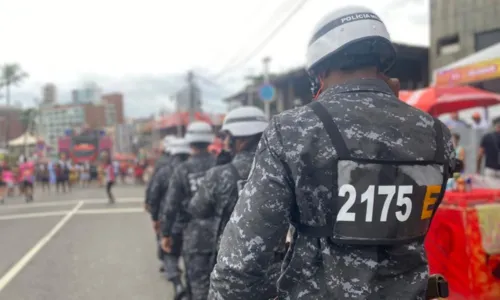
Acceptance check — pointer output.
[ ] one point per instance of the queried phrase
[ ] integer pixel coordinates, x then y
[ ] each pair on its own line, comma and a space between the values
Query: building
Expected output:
114, 108
90, 92
460, 28
13, 116
293, 87
49, 94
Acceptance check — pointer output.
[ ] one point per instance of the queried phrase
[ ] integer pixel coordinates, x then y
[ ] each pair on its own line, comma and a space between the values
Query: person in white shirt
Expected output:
455, 122
478, 122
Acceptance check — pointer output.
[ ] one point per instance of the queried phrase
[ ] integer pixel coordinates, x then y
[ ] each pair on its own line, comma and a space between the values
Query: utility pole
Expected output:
267, 104
175, 98
191, 95
250, 89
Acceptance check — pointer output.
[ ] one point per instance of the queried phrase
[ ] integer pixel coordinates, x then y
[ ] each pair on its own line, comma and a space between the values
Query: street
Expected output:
76, 246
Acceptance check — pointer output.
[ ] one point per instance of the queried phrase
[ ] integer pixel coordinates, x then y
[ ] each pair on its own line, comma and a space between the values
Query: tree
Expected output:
10, 75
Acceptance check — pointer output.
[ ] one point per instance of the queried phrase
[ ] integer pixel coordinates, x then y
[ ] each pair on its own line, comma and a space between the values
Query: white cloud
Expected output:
65, 40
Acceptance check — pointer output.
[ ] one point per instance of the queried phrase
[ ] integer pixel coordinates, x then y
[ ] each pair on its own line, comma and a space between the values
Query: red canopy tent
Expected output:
441, 100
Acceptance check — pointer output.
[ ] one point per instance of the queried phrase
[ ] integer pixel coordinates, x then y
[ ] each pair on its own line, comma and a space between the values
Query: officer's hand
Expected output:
156, 226
166, 244
393, 83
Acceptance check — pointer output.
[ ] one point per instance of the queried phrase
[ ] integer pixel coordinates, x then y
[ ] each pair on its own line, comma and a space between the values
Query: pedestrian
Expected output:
490, 148
179, 152
357, 172
214, 201
109, 173
459, 149
183, 184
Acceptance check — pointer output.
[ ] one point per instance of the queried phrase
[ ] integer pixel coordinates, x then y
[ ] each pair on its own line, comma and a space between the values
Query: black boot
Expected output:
179, 290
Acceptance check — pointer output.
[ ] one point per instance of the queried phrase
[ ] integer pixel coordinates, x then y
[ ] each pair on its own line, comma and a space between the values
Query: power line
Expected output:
267, 24
266, 41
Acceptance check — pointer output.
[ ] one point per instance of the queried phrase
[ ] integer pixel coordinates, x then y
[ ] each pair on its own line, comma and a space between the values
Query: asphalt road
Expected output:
76, 246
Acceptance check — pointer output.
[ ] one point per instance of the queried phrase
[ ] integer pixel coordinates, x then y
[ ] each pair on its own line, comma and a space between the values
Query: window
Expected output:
487, 38
448, 45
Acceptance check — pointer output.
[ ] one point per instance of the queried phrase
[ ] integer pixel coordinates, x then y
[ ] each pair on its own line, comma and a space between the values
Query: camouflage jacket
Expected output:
182, 186
214, 202
159, 186
294, 152
162, 160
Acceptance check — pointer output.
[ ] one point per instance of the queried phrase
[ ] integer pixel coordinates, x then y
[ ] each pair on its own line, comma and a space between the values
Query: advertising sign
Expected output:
485, 70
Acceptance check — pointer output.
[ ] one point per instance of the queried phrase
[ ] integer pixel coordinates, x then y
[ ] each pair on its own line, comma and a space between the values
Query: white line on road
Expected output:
69, 202
79, 212
34, 215
12, 273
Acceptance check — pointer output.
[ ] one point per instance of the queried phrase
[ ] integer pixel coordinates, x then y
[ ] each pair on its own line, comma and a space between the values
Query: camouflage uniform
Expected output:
196, 249
292, 173
162, 160
158, 192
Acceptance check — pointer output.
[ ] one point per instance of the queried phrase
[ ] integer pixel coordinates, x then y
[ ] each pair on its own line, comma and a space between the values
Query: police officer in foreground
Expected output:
176, 220
179, 152
218, 192
358, 173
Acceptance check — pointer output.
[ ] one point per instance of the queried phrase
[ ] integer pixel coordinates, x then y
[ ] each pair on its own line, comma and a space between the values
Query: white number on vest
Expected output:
402, 200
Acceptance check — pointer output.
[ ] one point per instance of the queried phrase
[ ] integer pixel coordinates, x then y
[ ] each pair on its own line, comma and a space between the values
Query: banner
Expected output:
485, 70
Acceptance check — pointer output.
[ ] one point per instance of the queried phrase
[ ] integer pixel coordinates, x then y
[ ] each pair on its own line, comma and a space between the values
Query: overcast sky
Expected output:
143, 47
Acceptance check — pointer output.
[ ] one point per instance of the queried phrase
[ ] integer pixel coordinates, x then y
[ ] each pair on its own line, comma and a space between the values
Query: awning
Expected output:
441, 100
24, 139
480, 66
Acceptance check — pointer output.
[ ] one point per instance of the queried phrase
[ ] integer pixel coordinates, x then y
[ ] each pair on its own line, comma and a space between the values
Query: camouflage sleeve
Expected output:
173, 202
202, 204
259, 222
449, 149
158, 189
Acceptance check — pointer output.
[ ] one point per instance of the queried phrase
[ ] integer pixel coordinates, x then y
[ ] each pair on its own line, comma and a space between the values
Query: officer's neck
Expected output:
337, 77
197, 151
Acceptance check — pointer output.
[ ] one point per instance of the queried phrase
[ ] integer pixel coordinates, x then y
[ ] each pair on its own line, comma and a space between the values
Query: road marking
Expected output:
69, 202
110, 210
12, 273
34, 215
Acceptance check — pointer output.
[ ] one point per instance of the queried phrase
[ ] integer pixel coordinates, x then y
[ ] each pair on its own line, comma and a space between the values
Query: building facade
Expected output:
49, 93
460, 28
13, 116
115, 108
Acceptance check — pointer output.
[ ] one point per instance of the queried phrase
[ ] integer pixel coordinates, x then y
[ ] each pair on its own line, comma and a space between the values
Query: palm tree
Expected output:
10, 75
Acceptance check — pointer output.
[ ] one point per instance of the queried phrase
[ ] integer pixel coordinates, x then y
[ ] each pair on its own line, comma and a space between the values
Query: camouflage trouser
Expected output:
171, 260
198, 269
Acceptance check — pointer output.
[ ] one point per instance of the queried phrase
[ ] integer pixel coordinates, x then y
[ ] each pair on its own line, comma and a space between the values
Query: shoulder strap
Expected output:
332, 130
439, 154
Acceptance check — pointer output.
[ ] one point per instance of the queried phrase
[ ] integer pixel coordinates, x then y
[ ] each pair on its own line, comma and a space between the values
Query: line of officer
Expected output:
218, 192
358, 173
162, 160
176, 220
179, 152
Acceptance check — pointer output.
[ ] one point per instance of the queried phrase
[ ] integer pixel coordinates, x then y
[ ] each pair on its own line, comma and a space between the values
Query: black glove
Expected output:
223, 158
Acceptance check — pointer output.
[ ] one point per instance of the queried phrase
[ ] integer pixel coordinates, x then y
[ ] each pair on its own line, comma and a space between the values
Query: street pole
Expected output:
267, 104
178, 115
191, 95
250, 89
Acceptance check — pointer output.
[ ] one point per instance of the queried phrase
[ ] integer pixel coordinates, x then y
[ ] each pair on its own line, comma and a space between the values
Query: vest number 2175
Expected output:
402, 193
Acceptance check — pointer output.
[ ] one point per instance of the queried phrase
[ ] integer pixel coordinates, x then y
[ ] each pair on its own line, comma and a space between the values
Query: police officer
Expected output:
357, 172
218, 192
175, 220
162, 160
179, 151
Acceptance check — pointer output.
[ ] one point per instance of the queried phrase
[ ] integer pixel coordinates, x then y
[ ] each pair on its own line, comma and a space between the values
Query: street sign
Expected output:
267, 92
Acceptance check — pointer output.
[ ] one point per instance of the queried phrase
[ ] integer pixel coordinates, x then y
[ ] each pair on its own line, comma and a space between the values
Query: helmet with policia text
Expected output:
199, 132
166, 142
346, 39
179, 146
245, 121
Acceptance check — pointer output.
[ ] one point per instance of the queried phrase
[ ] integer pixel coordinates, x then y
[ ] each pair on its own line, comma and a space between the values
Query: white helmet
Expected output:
166, 142
346, 27
199, 132
179, 146
245, 121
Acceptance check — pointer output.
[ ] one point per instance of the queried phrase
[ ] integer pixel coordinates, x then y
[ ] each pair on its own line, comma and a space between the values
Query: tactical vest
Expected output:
378, 202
